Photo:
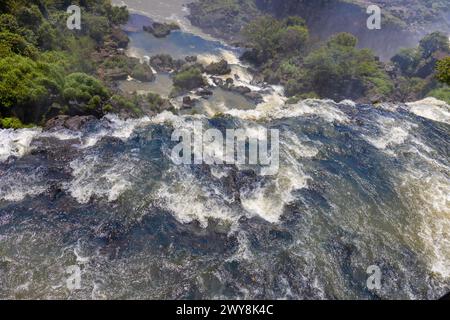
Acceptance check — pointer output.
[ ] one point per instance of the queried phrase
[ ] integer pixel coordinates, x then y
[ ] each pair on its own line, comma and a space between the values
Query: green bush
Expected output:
443, 70
26, 83
441, 94
189, 79
11, 123
82, 88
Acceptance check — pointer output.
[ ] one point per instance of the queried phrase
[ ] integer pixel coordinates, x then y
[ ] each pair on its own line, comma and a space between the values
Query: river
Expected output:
358, 186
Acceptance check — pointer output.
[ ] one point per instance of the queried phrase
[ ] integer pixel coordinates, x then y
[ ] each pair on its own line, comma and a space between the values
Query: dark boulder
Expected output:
74, 123
188, 102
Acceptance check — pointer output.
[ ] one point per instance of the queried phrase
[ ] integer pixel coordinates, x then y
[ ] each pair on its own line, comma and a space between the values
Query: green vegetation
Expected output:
44, 66
188, 78
337, 69
161, 30
443, 70
419, 68
11, 123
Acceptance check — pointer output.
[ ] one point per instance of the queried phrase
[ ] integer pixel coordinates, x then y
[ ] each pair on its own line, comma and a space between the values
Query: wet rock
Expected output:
229, 82
74, 123
165, 63
241, 89
255, 97
203, 92
218, 68
188, 102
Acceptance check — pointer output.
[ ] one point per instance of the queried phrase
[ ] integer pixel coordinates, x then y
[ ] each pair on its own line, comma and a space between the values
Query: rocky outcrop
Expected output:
74, 123
165, 63
161, 30
218, 68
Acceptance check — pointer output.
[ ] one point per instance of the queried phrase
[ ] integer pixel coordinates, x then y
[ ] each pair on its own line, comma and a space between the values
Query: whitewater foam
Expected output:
431, 108
16, 142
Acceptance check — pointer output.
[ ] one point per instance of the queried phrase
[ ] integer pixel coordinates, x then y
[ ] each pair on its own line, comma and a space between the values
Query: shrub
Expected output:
82, 88
189, 79
443, 70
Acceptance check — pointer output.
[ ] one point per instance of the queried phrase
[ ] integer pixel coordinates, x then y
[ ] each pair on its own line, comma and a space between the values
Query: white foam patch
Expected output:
276, 109
189, 201
269, 200
93, 177
431, 108
115, 127
17, 186
16, 142
392, 134
431, 198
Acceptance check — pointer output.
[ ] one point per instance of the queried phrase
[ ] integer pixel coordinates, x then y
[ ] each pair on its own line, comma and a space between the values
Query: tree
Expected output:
443, 70
343, 39
81, 88
293, 39
407, 60
27, 87
263, 33
340, 70
433, 42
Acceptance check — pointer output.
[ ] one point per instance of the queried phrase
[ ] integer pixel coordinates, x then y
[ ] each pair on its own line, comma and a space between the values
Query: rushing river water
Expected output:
358, 185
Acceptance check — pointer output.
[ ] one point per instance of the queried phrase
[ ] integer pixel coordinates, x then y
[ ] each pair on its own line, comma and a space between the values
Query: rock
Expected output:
120, 38
191, 59
218, 68
241, 89
143, 72
229, 81
255, 97
188, 102
161, 30
189, 79
204, 92
74, 123
217, 81
165, 63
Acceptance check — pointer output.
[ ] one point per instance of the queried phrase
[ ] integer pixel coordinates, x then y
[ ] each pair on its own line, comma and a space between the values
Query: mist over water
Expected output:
358, 185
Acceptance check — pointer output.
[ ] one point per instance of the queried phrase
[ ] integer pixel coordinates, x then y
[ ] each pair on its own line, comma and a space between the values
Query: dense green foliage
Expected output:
336, 69
44, 66
419, 67
189, 78
443, 70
